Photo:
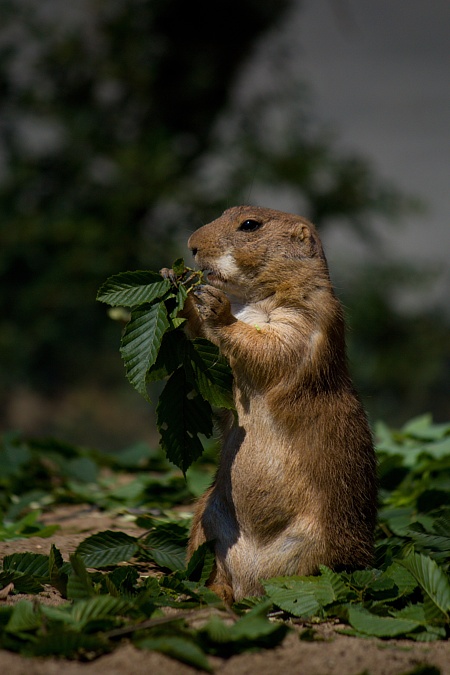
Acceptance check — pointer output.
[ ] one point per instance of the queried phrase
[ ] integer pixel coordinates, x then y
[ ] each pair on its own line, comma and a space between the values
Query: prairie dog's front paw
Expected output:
212, 305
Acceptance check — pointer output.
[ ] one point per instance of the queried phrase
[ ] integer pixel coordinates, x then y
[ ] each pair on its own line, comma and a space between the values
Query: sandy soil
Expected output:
333, 654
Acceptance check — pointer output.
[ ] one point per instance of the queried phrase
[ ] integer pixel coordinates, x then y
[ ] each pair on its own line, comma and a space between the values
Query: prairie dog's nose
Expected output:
194, 251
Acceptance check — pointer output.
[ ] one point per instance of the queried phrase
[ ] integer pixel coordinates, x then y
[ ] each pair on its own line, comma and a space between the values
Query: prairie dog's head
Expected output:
249, 251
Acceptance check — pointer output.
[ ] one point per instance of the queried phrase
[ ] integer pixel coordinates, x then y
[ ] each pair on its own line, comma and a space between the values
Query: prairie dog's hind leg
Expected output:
219, 581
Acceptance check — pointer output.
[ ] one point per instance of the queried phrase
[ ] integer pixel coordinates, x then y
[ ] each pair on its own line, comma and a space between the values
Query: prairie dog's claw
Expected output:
168, 273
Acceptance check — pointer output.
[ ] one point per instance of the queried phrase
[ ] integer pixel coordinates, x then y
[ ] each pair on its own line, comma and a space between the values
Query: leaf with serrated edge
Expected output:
23, 583
181, 299
24, 617
337, 583
141, 342
211, 373
58, 579
99, 607
171, 557
31, 564
379, 626
68, 643
179, 267
433, 580
131, 289
79, 584
180, 419
254, 624
165, 552
292, 595
403, 579
107, 548
304, 594
178, 648
201, 563
173, 345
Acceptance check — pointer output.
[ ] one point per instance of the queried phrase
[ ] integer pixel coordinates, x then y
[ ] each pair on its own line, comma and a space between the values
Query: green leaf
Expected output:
254, 625
14, 455
379, 626
69, 643
181, 416
27, 571
422, 428
441, 524
23, 583
432, 542
433, 580
340, 589
134, 457
179, 267
179, 648
31, 564
172, 589
201, 563
418, 425
251, 630
181, 299
24, 617
212, 375
58, 578
93, 609
300, 596
107, 548
140, 344
123, 580
198, 480
170, 356
164, 551
27, 527
290, 599
403, 579
79, 584
412, 612
364, 578
131, 289
217, 630
82, 469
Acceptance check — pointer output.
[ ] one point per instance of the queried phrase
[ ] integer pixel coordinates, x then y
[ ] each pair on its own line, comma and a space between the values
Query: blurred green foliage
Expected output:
401, 357
120, 132
102, 117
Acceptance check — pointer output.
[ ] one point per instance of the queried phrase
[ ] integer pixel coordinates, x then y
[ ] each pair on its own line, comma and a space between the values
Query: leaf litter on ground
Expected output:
119, 585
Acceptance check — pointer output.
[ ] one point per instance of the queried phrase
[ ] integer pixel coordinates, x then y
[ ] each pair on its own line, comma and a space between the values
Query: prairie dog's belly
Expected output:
246, 559
251, 500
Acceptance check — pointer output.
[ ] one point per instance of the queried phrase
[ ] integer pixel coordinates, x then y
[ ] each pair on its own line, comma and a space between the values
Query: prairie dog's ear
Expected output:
305, 242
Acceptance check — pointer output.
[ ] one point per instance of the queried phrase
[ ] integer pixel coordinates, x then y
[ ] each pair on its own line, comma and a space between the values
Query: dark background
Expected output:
125, 125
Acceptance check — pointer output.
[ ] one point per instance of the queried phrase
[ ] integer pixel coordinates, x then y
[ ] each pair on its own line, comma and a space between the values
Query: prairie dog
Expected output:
296, 482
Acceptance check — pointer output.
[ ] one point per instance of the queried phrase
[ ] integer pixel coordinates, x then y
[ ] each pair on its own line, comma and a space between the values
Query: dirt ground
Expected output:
334, 654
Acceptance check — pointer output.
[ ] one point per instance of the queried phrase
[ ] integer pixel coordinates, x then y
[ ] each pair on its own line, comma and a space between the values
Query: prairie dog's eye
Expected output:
249, 225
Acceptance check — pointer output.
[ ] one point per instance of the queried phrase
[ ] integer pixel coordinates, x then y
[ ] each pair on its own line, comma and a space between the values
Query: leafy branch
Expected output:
154, 348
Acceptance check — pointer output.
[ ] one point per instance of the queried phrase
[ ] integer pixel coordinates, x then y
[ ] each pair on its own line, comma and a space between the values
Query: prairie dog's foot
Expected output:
212, 305
224, 591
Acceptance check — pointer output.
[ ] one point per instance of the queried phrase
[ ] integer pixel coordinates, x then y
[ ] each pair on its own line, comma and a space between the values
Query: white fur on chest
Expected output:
251, 314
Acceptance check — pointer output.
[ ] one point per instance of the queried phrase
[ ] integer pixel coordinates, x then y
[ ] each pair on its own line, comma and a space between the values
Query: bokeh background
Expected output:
126, 124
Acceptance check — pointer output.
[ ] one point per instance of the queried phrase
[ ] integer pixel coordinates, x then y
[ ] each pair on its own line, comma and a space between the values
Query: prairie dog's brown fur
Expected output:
295, 486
